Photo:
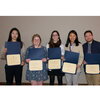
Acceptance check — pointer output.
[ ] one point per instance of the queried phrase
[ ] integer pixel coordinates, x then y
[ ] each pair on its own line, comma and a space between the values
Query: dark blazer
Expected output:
95, 47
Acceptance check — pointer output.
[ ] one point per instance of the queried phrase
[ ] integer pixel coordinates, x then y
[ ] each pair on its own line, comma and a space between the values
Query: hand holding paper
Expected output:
35, 65
93, 63
27, 60
44, 59
54, 55
13, 50
13, 59
69, 68
70, 64
92, 69
5, 50
54, 64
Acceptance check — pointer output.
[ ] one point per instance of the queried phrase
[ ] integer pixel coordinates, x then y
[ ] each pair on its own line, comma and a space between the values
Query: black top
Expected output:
57, 72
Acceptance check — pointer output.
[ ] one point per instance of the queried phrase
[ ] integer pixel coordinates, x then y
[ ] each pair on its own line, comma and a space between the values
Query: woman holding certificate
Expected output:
55, 50
36, 62
73, 45
14, 53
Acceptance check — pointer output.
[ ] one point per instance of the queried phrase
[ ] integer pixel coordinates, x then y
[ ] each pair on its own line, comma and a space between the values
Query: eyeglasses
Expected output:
54, 35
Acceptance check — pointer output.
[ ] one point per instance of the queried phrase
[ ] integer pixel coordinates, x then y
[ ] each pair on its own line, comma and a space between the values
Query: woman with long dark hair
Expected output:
14, 70
55, 42
73, 45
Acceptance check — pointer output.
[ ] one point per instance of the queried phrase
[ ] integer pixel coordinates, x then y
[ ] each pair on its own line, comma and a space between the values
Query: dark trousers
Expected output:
59, 78
11, 72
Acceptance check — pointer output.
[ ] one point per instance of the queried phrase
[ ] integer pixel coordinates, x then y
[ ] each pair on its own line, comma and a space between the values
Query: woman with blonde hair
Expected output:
36, 77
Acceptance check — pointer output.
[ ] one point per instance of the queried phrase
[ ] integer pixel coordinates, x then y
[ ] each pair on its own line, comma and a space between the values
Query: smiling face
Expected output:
14, 35
88, 37
72, 37
36, 41
55, 36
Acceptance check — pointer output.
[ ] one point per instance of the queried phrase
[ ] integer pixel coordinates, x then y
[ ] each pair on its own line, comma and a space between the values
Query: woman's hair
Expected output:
19, 36
51, 42
36, 35
76, 40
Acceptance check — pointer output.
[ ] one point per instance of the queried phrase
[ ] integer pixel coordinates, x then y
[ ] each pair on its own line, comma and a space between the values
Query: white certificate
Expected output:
69, 68
92, 69
13, 59
54, 64
35, 65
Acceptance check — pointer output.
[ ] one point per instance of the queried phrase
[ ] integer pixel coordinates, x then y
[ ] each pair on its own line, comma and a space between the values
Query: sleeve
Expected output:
27, 53
81, 56
99, 47
23, 53
62, 49
47, 46
45, 53
2, 54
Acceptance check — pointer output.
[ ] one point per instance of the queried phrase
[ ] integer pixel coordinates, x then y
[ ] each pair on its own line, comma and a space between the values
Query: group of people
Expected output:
38, 77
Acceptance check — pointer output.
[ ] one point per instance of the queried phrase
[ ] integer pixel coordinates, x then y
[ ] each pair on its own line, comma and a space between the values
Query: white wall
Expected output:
44, 25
